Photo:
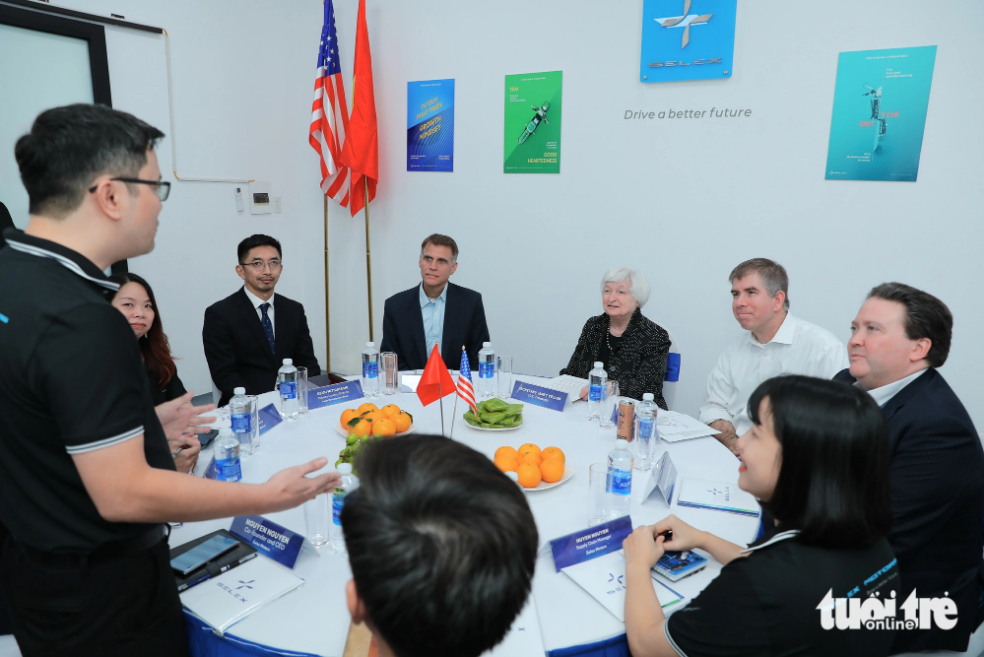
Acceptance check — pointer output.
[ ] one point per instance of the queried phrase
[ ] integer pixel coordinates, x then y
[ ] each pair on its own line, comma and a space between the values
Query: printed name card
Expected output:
270, 539
590, 543
269, 418
663, 478
336, 394
539, 396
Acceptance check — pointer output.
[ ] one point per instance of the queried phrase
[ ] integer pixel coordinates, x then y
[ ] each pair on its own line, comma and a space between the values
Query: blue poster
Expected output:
880, 103
430, 125
687, 40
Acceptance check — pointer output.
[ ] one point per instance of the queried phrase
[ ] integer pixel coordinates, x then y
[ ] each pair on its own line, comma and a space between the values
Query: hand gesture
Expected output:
290, 488
643, 547
684, 536
179, 418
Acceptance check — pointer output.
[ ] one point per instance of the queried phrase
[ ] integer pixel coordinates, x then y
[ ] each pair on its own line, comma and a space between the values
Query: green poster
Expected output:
532, 123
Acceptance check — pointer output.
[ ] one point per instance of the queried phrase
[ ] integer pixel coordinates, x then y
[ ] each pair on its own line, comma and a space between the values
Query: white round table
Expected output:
314, 618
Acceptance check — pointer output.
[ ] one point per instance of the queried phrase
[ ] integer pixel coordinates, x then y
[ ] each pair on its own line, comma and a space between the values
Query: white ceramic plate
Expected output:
518, 426
413, 427
545, 486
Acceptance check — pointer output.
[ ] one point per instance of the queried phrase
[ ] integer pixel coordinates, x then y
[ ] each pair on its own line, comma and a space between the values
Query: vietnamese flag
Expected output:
436, 381
361, 150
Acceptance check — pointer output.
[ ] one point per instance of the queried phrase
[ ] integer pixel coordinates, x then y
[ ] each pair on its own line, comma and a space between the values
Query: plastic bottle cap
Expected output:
344, 468
288, 361
648, 396
486, 344
239, 391
370, 344
621, 443
598, 363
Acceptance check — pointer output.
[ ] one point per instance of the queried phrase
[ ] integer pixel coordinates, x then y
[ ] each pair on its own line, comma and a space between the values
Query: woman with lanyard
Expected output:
817, 459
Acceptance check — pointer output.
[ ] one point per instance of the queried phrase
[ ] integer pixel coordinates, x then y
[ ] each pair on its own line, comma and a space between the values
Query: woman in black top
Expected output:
634, 349
817, 458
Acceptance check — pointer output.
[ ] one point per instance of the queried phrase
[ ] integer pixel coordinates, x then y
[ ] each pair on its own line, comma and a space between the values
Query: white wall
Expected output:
683, 202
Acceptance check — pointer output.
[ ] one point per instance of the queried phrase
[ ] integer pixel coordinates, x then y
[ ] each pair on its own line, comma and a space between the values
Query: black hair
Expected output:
442, 546
70, 146
254, 241
833, 481
925, 317
155, 348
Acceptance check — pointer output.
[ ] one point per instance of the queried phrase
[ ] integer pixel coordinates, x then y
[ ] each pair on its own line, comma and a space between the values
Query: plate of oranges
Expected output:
370, 420
536, 469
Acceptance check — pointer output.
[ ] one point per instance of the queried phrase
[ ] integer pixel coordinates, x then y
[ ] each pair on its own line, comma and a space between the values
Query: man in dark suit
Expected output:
435, 312
247, 335
900, 336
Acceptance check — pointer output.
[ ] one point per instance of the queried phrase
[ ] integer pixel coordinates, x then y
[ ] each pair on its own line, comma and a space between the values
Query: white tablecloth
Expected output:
315, 619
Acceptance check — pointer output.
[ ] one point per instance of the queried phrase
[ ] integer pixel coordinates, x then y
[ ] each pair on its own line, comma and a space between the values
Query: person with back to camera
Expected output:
633, 348
817, 458
135, 299
441, 545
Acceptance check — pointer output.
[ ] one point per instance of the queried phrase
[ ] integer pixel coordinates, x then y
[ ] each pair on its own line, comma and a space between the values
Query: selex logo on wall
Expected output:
671, 53
875, 613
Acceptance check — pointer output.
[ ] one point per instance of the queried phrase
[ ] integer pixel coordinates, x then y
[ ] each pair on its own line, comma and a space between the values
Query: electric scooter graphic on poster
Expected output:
882, 125
541, 115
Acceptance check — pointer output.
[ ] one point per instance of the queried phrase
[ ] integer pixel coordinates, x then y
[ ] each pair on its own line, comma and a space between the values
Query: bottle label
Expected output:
594, 393
228, 469
370, 370
646, 427
621, 482
337, 502
288, 389
486, 370
242, 423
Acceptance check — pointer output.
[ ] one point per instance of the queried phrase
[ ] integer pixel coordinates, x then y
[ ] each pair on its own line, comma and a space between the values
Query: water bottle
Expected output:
227, 465
645, 432
597, 391
620, 479
287, 382
348, 484
370, 370
242, 420
486, 371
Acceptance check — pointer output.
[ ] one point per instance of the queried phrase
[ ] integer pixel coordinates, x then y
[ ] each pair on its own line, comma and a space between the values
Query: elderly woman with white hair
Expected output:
634, 349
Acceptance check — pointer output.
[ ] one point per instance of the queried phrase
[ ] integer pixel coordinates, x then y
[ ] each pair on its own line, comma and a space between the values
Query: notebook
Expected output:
718, 497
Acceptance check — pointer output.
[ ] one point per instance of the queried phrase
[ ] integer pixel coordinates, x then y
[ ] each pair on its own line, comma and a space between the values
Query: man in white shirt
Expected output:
775, 343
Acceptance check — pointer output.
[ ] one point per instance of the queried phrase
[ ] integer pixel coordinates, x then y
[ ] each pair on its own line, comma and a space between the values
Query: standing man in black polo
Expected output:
86, 477
248, 334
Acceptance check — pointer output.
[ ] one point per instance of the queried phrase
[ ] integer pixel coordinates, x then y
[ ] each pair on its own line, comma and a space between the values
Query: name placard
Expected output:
269, 418
662, 478
539, 396
336, 394
270, 539
590, 543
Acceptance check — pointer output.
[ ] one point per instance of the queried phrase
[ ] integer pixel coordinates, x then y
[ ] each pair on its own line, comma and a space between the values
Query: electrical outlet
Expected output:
276, 204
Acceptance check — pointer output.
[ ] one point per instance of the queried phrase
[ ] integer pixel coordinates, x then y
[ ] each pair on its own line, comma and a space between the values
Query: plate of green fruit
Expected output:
495, 415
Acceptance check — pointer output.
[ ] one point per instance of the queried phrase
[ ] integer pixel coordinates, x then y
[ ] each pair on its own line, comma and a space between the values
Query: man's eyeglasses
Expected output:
163, 188
259, 265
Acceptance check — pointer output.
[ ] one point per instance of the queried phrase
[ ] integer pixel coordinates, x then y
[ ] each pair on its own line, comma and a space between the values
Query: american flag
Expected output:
465, 389
329, 114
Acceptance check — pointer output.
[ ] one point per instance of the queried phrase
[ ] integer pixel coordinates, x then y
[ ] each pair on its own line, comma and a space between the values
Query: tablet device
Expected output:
202, 554
677, 565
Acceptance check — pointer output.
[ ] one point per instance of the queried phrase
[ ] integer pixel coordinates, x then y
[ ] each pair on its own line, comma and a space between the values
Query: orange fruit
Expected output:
554, 453
552, 471
529, 447
367, 407
384, 428
402, 422
347, 415
374, 416
529, 475
506, 463
531, 458
363, 428
506, 450
390, 410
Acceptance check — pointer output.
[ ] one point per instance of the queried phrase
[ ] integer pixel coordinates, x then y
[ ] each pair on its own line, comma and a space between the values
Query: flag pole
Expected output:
365, 187
327, 294
440, 391
454, 411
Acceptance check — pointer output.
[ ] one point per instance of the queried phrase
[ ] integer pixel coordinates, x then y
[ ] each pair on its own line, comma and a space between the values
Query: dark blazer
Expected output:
937, 476
464, 325
639, 362
238, 351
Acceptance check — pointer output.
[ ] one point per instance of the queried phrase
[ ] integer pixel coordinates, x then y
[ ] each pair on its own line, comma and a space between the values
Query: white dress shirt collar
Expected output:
424, 299
256, 301
783, 336
884, 394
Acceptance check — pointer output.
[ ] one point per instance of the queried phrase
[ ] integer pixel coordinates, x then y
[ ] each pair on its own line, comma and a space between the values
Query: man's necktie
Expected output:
268, 326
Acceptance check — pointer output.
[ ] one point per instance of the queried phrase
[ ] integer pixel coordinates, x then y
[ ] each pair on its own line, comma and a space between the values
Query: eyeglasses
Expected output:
259, 265
163, 188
